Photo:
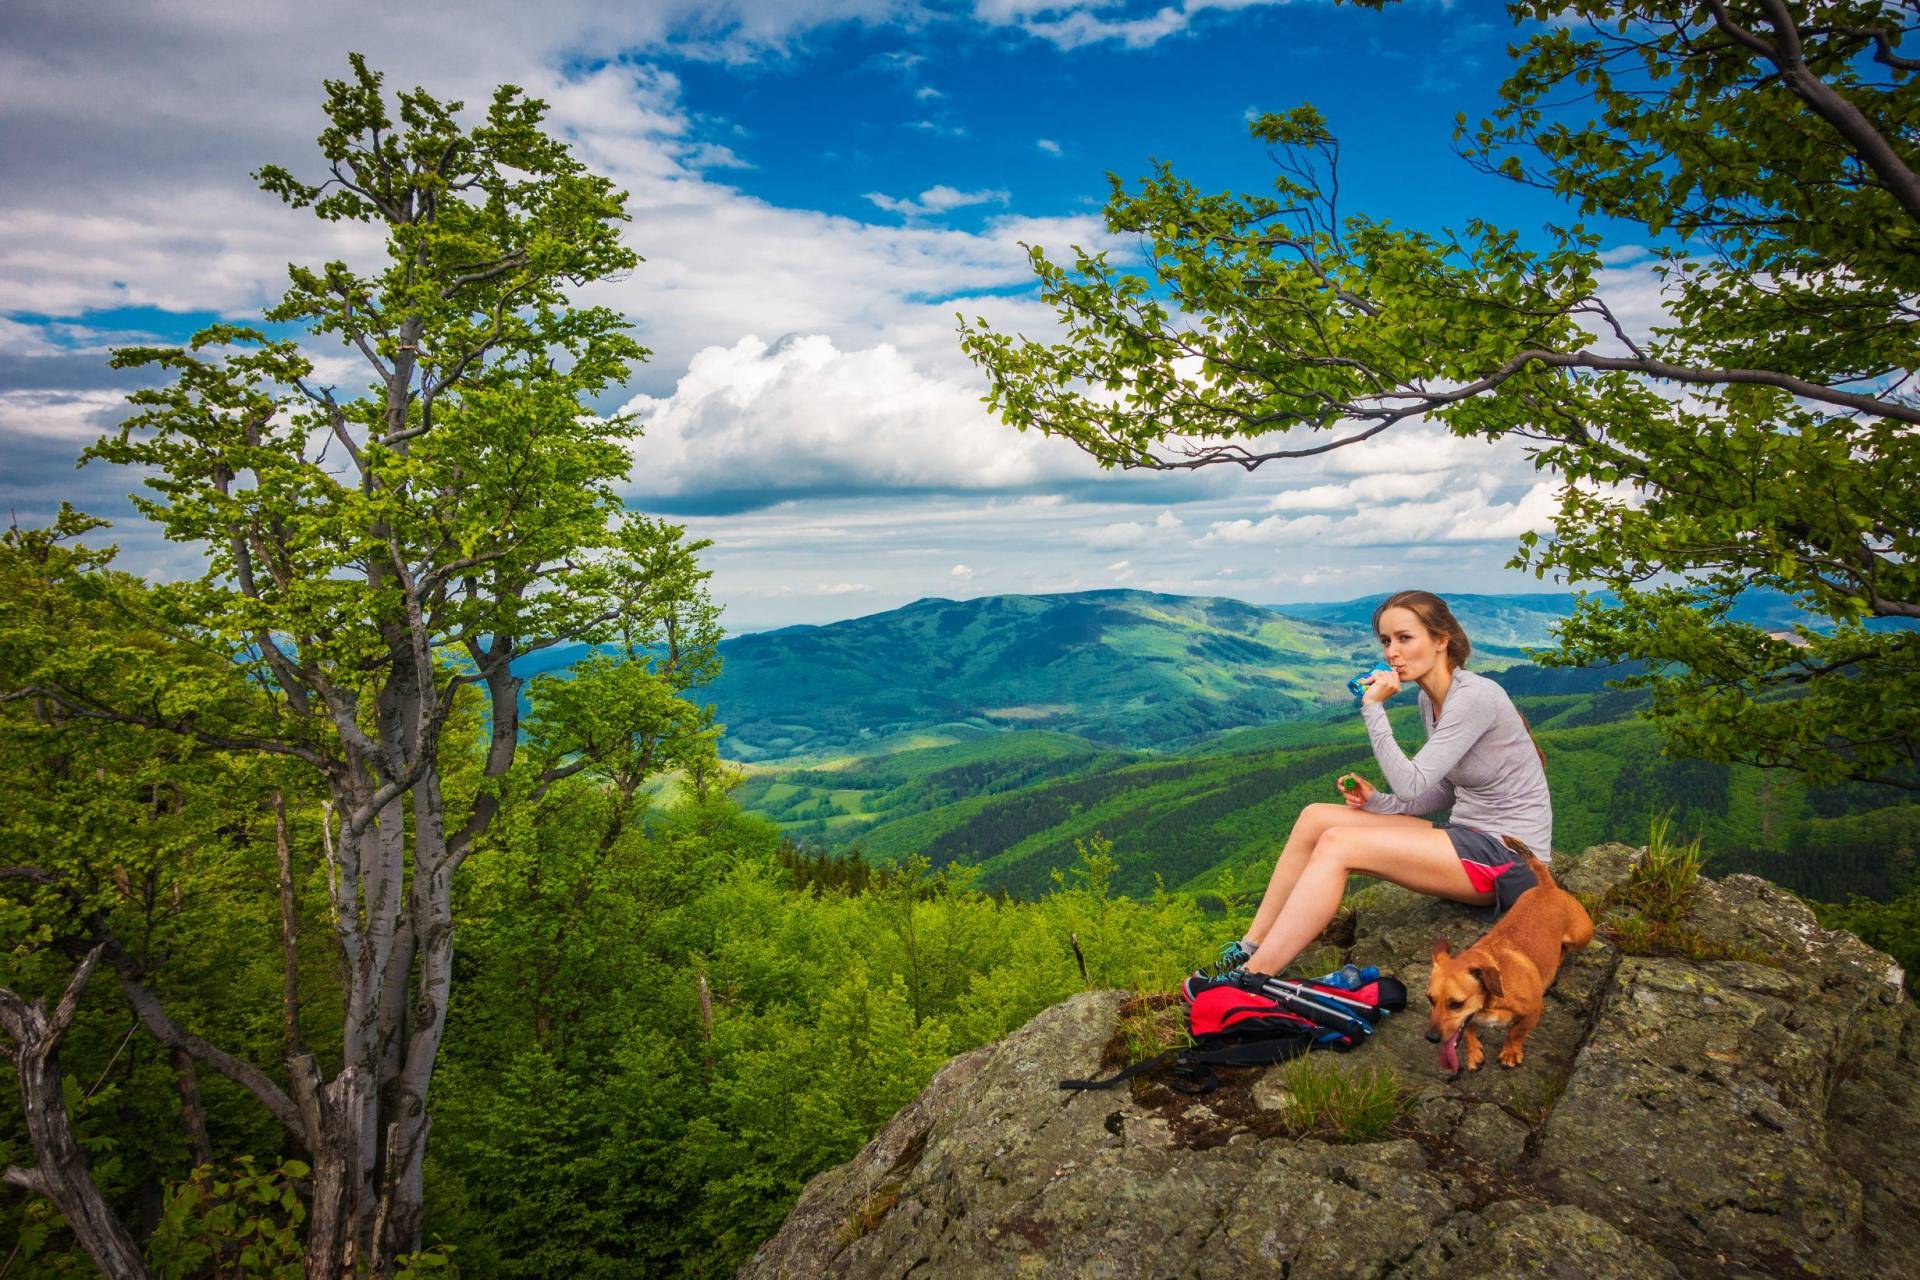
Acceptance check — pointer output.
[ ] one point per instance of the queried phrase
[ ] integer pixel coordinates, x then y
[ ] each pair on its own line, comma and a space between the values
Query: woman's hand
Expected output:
1381, 685
1356, 790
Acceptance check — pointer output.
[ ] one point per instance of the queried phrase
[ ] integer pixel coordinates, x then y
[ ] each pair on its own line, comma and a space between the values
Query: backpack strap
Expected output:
1193, 1068
1138, 1068
1254, 1053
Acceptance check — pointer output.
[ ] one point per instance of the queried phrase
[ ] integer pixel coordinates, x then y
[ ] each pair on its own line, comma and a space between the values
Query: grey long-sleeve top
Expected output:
1480, 760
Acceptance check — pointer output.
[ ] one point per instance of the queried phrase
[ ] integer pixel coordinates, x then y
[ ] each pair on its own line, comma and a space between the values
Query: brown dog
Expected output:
1502, 979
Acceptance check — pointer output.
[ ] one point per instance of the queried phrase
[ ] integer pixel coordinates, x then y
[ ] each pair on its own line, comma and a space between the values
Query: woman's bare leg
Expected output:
1314, 821
1421, 858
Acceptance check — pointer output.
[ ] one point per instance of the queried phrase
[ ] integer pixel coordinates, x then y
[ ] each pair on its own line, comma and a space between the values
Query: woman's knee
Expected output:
1338, 844
1317, 818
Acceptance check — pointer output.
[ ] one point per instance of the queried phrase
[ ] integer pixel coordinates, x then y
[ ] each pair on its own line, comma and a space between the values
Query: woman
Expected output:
1479, 758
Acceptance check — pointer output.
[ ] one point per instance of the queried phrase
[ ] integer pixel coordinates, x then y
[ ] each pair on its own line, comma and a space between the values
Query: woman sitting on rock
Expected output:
1479, 758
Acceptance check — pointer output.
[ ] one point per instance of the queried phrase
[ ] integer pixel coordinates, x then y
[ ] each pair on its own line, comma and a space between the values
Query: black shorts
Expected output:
1491, 866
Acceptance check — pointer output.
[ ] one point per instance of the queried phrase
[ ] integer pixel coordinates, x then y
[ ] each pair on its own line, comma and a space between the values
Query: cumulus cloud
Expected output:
141, 195
960, 573
80, 417
1047, 145
759, 421
1472, 515
1073, 23
1132, 533
1390, 486
1411, 448
936, 199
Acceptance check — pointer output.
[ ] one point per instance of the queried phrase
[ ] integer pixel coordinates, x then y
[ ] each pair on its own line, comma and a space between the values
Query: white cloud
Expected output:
1073, 23
1637, 298
1382, 487
18, 339
228, 254
1047, 145
1133, 533
807, 416
77, 416
960, 573
936, 199
142, 198
816, 589
1319, 497
1411, 448
1469, 515
927, 93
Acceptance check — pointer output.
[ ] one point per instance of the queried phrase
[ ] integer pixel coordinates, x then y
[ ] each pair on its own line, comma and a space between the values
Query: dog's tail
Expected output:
1534, 864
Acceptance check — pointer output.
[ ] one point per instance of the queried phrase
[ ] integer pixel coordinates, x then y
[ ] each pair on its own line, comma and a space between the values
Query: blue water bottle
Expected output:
1352, 977
1357, 686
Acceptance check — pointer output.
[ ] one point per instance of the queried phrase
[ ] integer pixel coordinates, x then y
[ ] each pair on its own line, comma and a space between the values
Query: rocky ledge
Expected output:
1676, 1116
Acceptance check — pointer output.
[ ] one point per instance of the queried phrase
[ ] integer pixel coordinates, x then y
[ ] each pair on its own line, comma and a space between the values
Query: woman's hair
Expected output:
1435, 617
1439, 621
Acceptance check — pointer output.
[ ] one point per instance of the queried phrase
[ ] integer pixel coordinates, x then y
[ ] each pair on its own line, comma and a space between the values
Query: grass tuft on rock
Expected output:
1151, 1023
1646, 913
868, 1214
1336, 1105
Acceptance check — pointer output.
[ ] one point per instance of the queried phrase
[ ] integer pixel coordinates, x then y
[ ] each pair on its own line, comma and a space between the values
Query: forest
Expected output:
336, 945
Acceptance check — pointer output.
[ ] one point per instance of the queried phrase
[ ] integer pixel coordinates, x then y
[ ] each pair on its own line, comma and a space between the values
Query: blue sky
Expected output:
818, 186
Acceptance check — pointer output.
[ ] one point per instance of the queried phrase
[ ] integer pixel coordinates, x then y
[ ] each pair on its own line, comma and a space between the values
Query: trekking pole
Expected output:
1326, 1015
1314, 993
1081, 960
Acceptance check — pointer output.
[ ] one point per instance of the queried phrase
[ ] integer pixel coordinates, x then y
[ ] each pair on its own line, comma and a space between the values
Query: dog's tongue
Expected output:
1450, 1054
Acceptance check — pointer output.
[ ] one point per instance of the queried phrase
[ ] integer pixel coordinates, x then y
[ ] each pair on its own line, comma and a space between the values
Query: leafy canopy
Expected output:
1763, 435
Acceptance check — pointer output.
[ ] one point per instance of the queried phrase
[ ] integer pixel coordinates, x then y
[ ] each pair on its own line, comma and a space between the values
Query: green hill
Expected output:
1212, 817
1491, 621
1122, 668
1127, 669
1526, 620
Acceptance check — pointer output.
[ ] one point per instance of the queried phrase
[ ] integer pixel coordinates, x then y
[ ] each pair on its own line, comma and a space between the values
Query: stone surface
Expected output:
1490, 1135
1698, 1113
1511, 1239
1674, 1117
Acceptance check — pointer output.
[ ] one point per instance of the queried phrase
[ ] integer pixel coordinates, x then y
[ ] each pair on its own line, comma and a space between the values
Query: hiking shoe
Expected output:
1232, 956
1243, 978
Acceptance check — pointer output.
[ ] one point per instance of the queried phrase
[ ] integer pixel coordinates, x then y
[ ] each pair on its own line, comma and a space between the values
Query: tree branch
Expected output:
1846, 119
167, 1032
181, 726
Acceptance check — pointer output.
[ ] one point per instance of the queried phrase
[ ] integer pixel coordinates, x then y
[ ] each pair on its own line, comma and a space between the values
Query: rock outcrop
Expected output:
1675, 1116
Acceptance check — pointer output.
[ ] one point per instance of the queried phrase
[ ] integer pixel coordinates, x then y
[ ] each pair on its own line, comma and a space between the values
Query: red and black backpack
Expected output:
1252, 1026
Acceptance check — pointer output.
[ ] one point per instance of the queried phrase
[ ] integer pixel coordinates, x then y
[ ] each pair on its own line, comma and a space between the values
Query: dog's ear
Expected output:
1442, 950
1489, 978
